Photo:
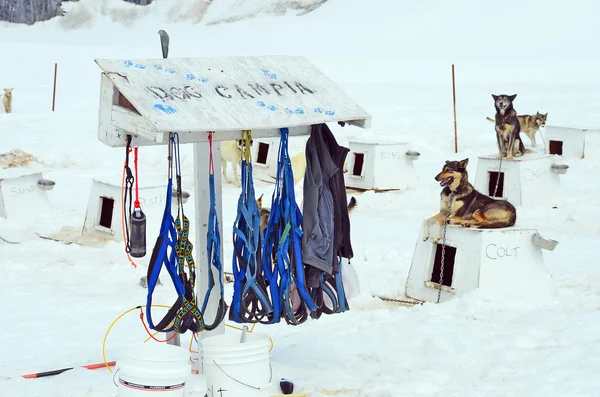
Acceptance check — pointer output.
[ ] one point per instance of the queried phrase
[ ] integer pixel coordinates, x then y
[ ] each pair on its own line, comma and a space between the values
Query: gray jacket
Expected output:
320, 239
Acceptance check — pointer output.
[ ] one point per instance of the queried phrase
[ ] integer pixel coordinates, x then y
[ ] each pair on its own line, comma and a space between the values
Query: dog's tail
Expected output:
352, 204
490, 119
529, 151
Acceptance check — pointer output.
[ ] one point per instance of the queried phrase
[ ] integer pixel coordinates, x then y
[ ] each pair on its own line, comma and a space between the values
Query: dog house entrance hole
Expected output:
359, 160
107, 206
492, 184
449, 255
263, 152
556, 147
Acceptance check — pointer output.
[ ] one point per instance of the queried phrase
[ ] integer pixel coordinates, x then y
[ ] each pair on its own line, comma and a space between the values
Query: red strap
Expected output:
136, 203
211, 165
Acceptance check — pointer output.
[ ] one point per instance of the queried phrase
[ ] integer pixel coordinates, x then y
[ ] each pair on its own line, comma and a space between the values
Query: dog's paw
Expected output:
465, 224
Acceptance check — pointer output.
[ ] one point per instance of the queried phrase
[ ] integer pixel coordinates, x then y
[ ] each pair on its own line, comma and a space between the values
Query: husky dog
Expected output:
231, 152
7, 99
507, 127
469, 207
530, 124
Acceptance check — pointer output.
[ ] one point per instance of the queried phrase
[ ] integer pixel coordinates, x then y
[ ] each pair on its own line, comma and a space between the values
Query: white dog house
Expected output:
265, 152
150, 98
103, 218
379, 165
528, 181
24, 194
570, 142
507, 260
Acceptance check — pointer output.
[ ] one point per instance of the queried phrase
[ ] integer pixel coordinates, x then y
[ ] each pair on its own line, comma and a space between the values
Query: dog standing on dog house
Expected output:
469, 207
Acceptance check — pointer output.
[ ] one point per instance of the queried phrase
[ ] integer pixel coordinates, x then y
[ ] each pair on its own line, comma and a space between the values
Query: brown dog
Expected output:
469, 207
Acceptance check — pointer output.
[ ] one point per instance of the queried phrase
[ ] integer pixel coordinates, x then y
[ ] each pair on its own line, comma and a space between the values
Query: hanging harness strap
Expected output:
188, 315
250, 299
213, 247
161, 255
283, 243
127, 199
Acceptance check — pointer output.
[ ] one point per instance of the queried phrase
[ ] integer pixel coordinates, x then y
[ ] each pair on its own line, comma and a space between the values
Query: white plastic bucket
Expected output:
151, 367
242, 369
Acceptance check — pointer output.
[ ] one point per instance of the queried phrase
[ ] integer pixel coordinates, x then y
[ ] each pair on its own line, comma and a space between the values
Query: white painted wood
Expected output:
20, 196
577, 143
152, 201
500, 261
231, 93
528, 180
202, 206
134, 124
385, 165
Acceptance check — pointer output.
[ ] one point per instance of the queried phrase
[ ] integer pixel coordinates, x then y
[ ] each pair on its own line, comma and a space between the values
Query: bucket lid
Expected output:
156, 352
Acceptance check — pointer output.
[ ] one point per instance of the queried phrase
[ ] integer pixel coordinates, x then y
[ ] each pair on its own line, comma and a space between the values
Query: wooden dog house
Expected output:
23, 194
527, 181
570, 142
265, 152
103, 218
379, 164
150, 98
507, 260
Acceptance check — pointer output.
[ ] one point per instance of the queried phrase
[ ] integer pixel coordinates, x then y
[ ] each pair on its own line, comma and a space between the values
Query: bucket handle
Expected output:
242, 383
115, 374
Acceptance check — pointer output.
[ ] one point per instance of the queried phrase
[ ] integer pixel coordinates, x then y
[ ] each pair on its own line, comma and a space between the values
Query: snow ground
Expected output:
58, 300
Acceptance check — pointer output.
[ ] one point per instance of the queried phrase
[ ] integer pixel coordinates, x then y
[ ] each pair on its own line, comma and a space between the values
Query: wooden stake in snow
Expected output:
54, 91
454, 102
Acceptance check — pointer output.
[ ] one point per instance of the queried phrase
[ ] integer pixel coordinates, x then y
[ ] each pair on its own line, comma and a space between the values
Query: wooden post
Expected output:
202, 206
54, 91
454, 102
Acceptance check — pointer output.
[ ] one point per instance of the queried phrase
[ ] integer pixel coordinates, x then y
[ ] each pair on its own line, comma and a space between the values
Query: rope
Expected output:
128, 192
136, 203
123, 228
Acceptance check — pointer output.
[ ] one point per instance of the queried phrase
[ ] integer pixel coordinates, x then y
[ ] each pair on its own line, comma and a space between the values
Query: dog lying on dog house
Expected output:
462, 205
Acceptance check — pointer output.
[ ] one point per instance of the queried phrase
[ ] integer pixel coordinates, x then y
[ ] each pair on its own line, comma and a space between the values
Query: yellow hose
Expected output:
150, 337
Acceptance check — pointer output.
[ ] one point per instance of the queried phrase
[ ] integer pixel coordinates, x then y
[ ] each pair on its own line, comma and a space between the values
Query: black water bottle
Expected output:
138, 234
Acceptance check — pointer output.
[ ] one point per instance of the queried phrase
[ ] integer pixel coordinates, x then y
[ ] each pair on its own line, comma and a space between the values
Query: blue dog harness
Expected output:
250, 303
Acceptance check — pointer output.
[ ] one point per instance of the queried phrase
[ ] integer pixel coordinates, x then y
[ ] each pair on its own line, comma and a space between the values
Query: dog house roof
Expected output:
231, 93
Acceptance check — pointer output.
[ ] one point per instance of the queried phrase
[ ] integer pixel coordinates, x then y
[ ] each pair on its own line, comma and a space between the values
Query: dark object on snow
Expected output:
164, 42
29, 11
139, 2
286, 386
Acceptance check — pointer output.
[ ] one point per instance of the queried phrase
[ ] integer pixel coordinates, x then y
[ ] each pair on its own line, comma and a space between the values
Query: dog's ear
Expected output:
495, 97
447, 161
259, 201
512, 97
462, 164
546, 115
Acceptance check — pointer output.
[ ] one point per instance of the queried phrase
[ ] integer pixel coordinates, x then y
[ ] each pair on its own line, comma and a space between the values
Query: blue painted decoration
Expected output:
168, 109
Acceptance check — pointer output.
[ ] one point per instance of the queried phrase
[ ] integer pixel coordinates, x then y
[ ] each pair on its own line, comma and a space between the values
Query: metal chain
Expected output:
498, 177
448, 212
